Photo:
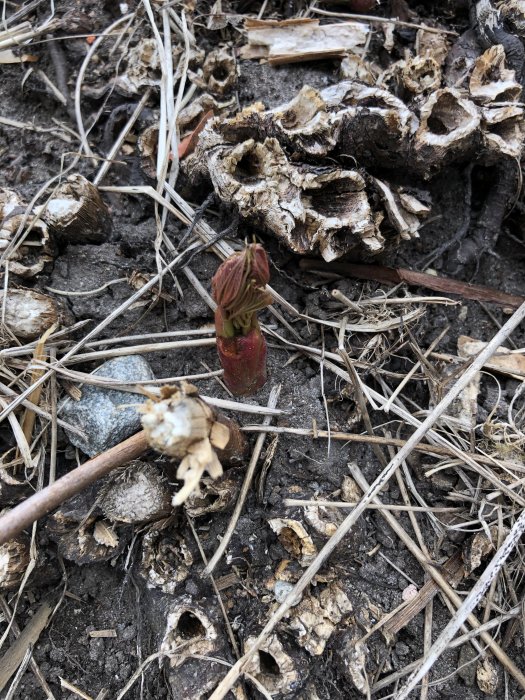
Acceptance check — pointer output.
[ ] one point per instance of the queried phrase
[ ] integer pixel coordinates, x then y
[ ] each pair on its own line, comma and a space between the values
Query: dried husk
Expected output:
273, 667
513, 12
189, 630
215, 496
28, 258
295, 539
315, 619
219, 72
77, 213
166, 560
147, 145
183, 426
14, 560
137, 493
490, 81
449, 130
142, 70
28, 314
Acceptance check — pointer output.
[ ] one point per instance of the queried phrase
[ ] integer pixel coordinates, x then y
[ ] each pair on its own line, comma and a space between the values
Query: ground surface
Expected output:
111, 595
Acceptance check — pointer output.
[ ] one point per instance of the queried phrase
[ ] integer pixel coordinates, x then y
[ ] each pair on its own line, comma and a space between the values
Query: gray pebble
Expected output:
99, 413
281, 590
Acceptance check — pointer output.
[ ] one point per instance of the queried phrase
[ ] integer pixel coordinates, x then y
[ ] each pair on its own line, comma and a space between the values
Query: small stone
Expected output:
105, 415
281, 590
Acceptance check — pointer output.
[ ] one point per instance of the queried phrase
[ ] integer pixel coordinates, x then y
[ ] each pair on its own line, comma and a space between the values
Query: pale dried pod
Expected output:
338, 216
137, 493
449, 131
487, 675
295, 539
215, 496
220, 71
14, 560
189, 630
315, 619
421, 74
350, 491
503, 131
166, 560
490, 81
305, 123
77, 213
354, 67
28, 314
273, 667
478, 547
34, 251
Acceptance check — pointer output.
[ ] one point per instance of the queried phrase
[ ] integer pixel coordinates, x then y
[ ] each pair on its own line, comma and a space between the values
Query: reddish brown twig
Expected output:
75, 481
390, 275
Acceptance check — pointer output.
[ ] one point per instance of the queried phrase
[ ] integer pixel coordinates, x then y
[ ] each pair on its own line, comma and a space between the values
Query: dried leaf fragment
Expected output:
295, 539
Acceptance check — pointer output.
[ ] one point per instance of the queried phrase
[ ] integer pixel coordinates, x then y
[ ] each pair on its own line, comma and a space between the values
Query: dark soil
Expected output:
112, 595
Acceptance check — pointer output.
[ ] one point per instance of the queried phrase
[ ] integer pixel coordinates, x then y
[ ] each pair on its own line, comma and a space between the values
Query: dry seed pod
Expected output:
316, 618
432, 44
448, 132
137, 493
295, 539
503, 131
189, 631
28, 314
305, 123
77, 213
183, 426
29, 258
215, 496
490, 81
166, 560
421, 74
487, 675
273, 667
14, 560
220, 71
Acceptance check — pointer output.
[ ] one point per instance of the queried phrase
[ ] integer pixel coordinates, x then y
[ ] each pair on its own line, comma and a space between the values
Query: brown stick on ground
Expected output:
75, 481
391, 275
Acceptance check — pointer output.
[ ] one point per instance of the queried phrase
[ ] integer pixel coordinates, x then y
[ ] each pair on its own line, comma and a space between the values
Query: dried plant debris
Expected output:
219, 72
28, 314
143, 68
81, 534
76, 212
189, 630
274, 667
295, 539
296, 40
480, 546
287, 168
24, 234
215, 496
183, 426
316, 618
166, 559
14, 560
137, 493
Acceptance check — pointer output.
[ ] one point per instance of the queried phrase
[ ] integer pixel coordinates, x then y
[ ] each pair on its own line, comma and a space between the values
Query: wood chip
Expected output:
103, 634
297, 40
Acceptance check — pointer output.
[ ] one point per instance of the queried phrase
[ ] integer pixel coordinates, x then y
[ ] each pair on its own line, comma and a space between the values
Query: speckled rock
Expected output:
105, 415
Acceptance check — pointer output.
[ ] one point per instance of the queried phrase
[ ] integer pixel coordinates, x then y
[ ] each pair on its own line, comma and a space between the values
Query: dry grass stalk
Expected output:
294, 595
14, 656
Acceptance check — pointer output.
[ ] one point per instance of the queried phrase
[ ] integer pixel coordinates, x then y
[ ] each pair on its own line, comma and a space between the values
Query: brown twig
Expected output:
75, 481
390, 275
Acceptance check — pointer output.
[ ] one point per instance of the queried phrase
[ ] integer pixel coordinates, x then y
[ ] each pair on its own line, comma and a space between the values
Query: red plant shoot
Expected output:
238, 287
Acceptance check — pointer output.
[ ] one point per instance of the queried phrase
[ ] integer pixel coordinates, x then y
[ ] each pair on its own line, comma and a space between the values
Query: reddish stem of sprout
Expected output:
239, 290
